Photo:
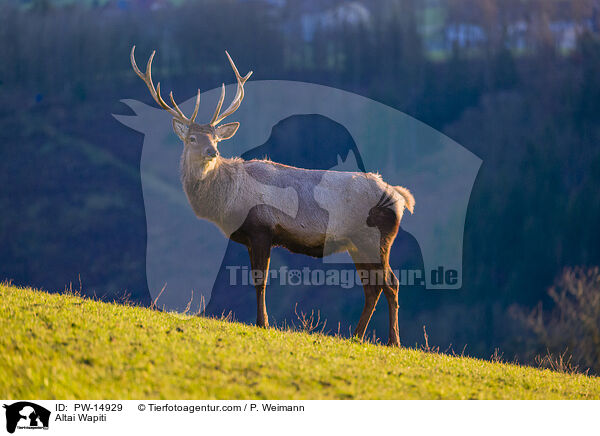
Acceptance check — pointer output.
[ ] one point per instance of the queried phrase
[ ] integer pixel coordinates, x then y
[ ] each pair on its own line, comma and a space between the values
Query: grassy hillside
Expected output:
63, 346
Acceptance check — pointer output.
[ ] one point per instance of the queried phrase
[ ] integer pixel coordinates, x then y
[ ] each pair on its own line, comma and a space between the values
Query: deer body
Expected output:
262, 204
231, 188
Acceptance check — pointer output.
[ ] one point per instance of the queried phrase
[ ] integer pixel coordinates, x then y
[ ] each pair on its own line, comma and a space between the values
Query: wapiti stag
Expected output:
334, 211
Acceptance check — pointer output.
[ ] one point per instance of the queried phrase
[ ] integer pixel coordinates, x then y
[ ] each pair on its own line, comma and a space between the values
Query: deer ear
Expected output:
180, 129
226, 131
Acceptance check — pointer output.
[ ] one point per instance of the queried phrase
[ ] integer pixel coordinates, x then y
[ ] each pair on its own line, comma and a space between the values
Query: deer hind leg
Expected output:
260, 255
380, 278
390, 289
372, 294
372, 290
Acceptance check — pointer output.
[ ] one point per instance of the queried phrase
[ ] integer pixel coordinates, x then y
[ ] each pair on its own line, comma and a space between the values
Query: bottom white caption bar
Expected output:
297, 417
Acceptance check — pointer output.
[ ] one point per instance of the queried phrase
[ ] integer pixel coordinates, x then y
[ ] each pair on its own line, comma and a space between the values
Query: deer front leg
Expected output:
260, 255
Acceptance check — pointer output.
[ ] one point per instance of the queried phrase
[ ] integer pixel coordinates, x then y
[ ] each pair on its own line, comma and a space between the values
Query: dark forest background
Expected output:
517, 82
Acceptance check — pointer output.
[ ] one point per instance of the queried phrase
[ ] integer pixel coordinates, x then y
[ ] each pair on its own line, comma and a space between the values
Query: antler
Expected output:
237, 100
155, 92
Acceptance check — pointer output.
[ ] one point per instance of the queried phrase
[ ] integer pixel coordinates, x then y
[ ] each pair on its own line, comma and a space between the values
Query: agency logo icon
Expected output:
26, 415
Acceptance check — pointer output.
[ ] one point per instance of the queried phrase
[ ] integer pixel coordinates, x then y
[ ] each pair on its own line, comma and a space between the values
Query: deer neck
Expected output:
210, 188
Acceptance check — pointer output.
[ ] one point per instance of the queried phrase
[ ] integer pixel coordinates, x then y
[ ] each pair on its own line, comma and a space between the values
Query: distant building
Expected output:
126, 5
464, 35
350, 13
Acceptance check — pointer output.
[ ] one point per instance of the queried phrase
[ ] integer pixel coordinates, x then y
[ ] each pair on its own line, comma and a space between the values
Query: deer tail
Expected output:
409, 200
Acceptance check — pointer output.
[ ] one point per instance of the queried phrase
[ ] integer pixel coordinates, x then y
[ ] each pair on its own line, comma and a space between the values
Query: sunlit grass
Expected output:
63, 346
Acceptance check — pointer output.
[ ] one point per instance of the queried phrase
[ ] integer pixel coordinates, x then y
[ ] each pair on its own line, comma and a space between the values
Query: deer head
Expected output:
199, 140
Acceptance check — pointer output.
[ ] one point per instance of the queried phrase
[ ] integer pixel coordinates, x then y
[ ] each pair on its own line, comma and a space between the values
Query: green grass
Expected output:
67, 347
